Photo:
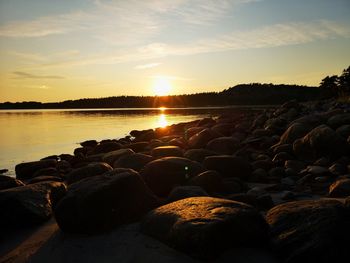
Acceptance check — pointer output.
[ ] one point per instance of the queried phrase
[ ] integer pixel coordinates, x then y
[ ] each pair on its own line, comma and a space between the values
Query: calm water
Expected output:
29, 135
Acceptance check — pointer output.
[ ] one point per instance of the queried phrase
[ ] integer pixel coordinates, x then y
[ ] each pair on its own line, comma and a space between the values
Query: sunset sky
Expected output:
57, 50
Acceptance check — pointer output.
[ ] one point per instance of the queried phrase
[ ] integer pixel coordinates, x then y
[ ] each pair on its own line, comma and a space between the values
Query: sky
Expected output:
69, 49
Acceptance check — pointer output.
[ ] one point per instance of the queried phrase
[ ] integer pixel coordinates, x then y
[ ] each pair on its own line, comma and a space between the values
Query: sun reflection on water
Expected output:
162, 121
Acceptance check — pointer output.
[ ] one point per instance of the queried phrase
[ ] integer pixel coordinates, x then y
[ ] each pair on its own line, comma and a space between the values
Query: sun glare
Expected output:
162, 86
162, 121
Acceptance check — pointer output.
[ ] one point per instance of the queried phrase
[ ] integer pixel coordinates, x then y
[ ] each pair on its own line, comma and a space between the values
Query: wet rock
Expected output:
29, 204
137, 146
200, 140
198, 155
310, 231
167, 151
295, 131
134, 161
7, 182
185, 191
162, 175
339, 120
340, 188
89, 170
106, 147
223, 145
113, 156
89, 143
100, 203
27, 170
229, 166
210, 181
203, 226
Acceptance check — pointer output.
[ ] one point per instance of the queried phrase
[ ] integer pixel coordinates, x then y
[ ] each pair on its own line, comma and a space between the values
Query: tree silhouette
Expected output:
329, 86
344, 83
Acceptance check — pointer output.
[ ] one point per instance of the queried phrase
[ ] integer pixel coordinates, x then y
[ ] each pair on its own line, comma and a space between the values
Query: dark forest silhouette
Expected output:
243, 94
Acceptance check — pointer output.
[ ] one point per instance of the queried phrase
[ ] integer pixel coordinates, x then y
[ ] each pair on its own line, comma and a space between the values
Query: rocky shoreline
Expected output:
263, 186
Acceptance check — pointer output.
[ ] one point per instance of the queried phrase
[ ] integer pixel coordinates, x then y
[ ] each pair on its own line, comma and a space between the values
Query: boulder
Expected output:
198, 155
105, 147
339, 120
111, 157
89, 170
200, 140
344, 131
137, 146
135, 161
7, 182
162, 175
229, 166
210, 181
29, 204
203, 227
295, 131
223, 128
185, 191
310, 231
223, 145
100, 203
89, 143
45, 178
27, 170
340, 188
167, 151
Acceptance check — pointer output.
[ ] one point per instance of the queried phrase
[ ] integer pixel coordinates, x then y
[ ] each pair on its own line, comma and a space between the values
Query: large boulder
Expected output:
30, 204
229, 166
321, 141
135, 161
310, 231
7, 182
204, 226
340, 188
111, 157
89, 170
223, 145
28, 170
210, 181
200, 140
105, 147
166, 151
100, 203
163, 174
295, 131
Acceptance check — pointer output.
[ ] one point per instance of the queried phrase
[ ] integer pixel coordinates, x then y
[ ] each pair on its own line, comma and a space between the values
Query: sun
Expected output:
162, 86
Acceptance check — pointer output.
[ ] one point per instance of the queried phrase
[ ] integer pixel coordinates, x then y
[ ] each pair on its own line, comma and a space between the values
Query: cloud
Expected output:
146, 66
264, 37
25, 75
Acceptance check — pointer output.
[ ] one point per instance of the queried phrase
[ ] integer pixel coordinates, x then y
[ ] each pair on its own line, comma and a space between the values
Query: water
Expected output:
29, 135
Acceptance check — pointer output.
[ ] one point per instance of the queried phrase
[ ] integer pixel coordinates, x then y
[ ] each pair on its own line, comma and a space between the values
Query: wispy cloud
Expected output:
25, 75
265, 37
146, 66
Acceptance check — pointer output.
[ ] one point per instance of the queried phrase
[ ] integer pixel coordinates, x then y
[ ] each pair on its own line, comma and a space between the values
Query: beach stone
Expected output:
281, 157
223, 128
288, 148
340, 188
338, 169
203, 227
339, 120
89, 170
50, 171
137, 146
166, 151
111, 157
192, 131
321, 141
100, 203
344, 131
210, 181
229, 166
223, 145
27, 170
29, 204
206, 122
198, 155
105, 147
200, 140
7, 182
134, 161
296, 165
185, 191
259, 175
265, 164
89, 143
163, 174
295, 131
45, 178
311, 121
310, 231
